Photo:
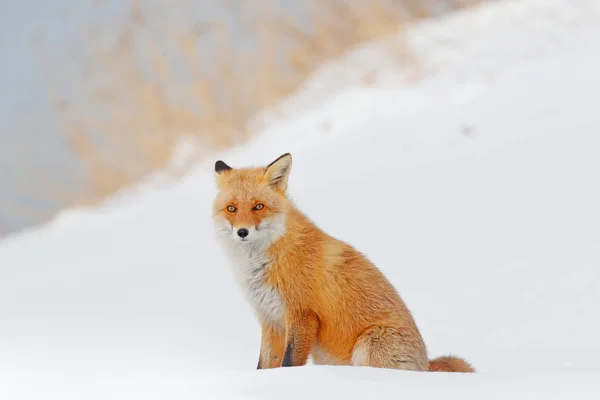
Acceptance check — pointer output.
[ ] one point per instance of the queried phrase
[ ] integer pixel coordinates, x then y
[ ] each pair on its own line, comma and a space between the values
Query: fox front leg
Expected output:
301, 334
272, 346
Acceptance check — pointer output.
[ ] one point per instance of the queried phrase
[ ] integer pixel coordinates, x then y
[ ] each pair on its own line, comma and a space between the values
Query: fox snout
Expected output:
243, 234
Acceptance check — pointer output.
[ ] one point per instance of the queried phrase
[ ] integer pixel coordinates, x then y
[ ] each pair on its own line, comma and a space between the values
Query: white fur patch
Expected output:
321, 357
251, 264
360, 356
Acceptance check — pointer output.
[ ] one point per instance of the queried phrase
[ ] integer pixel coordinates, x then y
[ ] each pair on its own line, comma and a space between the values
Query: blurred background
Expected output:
97, 94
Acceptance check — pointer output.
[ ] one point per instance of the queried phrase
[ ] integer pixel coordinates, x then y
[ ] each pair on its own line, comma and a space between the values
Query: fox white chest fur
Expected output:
251, 266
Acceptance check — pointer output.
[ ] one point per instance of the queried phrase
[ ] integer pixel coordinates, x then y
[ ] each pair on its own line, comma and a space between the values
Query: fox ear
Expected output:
278, 171
220, 167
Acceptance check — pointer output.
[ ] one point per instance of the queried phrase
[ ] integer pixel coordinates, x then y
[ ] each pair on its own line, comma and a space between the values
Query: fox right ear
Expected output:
221, 167
278, 171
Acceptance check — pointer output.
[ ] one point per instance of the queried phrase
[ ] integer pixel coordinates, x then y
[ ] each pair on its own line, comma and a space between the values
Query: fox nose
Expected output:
243, 232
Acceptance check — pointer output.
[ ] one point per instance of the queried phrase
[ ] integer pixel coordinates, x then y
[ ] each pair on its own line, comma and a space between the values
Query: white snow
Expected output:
475, 190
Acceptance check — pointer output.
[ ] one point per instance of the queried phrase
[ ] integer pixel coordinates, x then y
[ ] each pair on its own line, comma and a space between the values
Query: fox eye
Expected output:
259, 207
231, 209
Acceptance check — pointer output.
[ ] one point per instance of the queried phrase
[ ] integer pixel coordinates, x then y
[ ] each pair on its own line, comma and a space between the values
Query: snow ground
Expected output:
475, 191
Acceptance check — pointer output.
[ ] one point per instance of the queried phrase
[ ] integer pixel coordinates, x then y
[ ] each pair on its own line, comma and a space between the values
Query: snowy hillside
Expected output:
476, 191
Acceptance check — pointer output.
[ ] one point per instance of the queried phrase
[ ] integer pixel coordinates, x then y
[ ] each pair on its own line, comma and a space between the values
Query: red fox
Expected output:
314, 295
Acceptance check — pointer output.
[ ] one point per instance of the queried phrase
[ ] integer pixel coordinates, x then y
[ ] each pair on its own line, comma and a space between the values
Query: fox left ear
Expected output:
221, 167
278, 171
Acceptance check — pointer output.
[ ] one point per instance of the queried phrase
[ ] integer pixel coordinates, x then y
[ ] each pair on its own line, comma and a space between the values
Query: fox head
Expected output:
251, 203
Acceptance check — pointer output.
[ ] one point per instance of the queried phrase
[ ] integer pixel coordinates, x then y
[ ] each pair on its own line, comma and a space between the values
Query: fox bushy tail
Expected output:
450, 364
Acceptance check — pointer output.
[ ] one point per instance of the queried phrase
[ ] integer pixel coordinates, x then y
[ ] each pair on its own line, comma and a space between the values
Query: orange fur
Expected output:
450, 364
314, 294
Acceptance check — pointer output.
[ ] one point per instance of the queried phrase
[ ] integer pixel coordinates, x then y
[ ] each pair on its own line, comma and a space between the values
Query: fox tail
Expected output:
450, 364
